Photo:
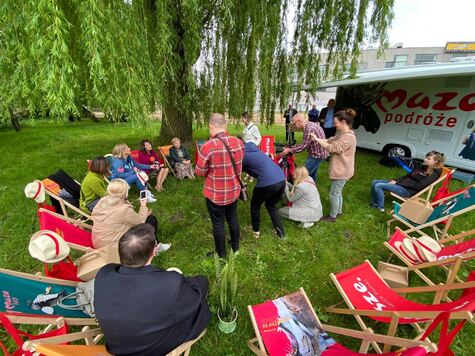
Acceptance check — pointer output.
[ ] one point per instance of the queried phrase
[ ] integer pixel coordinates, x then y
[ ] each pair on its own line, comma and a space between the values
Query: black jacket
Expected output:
416, 181
174, 155
147, 311
323, 114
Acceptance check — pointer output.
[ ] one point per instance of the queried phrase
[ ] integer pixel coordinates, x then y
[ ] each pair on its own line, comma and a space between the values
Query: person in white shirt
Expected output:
251, 131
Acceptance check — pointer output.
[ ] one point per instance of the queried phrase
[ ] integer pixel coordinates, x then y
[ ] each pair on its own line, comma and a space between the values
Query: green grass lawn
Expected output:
267, 267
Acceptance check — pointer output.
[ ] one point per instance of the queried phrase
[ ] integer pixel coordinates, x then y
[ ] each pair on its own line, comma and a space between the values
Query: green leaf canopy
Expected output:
185, 57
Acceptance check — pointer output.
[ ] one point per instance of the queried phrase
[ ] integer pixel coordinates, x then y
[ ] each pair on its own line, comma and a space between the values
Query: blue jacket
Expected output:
124, 168
257, 164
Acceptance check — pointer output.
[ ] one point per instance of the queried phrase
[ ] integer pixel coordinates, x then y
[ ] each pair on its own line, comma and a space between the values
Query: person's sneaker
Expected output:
150, 197
381, 210
256, 234
307, 225
163, 247
328, 218
280, 234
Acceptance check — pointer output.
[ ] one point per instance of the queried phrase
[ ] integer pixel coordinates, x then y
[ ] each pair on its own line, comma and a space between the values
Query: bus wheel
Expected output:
396, 151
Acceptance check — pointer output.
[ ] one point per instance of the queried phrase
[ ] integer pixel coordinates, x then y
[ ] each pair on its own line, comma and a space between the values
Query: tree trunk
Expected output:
175, 123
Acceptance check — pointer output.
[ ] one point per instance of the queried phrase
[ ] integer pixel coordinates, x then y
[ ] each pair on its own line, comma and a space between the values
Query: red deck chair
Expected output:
367, 294
450, 257
289, 325
77, 234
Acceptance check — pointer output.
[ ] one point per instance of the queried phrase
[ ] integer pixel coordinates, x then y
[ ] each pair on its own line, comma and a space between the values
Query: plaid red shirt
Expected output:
313, 148
221, 184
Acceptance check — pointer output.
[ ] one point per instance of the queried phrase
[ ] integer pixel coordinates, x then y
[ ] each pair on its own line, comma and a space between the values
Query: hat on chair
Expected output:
47, 246
143, 177
35, 190
428, 247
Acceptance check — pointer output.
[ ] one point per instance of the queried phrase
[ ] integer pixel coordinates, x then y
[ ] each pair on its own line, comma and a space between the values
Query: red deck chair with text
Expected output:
289, 326
450, 257
367, 294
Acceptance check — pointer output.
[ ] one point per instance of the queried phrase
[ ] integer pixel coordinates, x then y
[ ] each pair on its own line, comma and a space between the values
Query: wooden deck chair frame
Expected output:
20, 318
49, 347
440, 234
162, 150
396, 315
450, 265
65, 205
256, 345
425, 194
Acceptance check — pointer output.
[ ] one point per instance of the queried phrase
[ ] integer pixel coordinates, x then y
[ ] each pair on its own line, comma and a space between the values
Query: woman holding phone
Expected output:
114, 215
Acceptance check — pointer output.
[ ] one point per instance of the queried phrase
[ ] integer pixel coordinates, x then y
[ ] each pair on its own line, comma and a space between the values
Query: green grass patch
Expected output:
268, 267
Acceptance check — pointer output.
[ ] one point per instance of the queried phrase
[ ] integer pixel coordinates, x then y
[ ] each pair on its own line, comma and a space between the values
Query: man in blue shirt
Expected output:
326, 118
313, 114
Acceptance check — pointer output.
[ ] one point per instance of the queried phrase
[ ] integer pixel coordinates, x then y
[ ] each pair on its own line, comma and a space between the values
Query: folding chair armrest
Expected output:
78, 247
442, 262
397, 196
385, 339
400, 314
443, 287
460, 236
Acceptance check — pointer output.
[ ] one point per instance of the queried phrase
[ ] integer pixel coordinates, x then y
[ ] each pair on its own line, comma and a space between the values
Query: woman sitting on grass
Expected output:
409, 184
303, 194
124, 167
181, 160
147, 155
94, 185
114, 215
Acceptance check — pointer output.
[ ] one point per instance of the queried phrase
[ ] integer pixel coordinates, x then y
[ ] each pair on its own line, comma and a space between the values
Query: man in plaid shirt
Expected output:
221, 187
316, 153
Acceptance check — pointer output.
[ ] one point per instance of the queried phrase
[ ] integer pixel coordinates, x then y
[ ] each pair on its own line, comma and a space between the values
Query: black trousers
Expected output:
270, 195
287, 133
219, 214
152, 220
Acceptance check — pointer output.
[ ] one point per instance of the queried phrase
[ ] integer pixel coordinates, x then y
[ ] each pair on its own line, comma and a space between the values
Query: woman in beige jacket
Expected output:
114, 215
342, 148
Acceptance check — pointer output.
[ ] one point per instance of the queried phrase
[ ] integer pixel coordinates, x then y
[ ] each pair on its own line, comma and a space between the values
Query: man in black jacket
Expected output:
288, 115
144, 310
326, 118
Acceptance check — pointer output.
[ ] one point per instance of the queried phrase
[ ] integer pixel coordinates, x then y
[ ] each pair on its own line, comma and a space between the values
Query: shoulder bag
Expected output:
243, 193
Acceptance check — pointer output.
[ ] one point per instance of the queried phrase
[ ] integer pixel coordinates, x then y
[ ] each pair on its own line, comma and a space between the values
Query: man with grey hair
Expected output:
220, 162
316, 153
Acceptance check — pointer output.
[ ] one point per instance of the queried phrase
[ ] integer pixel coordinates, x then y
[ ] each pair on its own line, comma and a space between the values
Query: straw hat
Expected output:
35, 190
47, 246
142, 176
428, 247
413, 249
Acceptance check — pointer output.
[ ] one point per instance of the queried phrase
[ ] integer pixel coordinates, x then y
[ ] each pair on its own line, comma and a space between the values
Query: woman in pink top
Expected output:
342, 148
147, 155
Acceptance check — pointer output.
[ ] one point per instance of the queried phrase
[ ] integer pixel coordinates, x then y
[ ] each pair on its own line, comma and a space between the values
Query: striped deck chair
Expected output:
289, 326
449, 258
367, 294
444, 211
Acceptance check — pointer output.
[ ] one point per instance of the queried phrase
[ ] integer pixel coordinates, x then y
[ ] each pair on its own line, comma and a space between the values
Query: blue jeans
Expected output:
312, 165
378, 187
134, 179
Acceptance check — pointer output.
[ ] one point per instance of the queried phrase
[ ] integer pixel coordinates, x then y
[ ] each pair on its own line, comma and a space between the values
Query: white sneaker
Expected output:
163, 247
150, 197
307, 225
256, 234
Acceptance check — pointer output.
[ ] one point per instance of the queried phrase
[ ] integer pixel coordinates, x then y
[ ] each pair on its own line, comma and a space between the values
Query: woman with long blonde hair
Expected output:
125, 167
114, 215
303, 194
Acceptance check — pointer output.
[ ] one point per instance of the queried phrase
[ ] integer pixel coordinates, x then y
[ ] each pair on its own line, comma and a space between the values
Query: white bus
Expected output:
410, 111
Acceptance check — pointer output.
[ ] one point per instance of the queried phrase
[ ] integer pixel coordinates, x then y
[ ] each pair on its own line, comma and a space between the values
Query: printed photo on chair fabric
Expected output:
288, 327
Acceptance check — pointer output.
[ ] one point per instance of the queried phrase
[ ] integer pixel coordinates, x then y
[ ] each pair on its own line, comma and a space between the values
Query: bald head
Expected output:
299, 121
217, 123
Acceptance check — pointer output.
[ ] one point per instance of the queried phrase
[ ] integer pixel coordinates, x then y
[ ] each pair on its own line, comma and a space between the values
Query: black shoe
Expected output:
211, 254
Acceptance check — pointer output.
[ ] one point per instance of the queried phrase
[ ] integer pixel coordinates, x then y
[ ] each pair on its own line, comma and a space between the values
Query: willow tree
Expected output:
185, 57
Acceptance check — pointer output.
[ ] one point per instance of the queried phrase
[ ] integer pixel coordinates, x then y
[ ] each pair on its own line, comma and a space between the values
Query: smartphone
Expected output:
143, 194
